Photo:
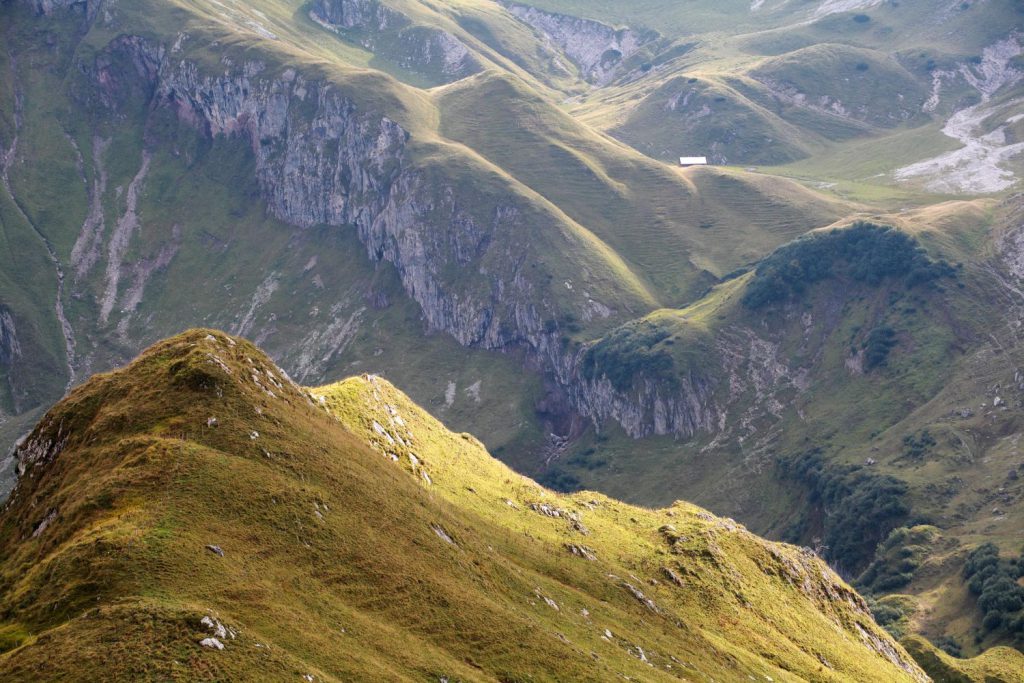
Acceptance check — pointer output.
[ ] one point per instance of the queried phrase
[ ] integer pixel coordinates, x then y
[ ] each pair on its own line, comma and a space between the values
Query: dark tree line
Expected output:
864, 251
993, 581
858, 508
629, 351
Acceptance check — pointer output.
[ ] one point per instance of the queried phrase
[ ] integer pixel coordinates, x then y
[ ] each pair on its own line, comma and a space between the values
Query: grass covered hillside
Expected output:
197, 516
996, 664
818, 334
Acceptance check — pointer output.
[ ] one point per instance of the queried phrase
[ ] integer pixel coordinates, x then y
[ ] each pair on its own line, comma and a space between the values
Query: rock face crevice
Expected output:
10, 347
320, 160
51, 7
330, 167
366, 15
10, 356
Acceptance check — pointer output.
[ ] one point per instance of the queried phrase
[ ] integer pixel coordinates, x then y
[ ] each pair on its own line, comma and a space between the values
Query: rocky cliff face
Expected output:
367, 15
321, 159
597, 49
651, 406
740, 391
8, 474
335, 166
10, 347
49, 7
371, 184
10, 357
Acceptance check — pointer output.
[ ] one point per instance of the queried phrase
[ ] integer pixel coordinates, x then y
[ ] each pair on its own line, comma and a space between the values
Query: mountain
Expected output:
818, 334
198, 516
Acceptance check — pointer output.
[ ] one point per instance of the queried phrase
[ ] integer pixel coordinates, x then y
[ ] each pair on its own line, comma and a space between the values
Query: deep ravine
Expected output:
5, 163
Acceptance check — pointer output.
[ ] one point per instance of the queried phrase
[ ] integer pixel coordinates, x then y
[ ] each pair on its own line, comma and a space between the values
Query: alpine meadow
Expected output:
512, 340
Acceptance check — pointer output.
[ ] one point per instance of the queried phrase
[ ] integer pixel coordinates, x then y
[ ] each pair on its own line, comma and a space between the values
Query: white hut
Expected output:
693, 161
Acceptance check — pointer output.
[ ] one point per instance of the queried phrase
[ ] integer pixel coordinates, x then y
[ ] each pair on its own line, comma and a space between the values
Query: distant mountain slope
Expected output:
805, 92
157, 153
197, 515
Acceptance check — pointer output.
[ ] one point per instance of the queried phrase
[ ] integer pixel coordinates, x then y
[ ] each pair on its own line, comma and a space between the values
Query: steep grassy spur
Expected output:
197, 516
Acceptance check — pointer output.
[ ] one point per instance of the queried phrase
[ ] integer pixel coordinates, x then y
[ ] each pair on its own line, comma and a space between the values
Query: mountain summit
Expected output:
198, 516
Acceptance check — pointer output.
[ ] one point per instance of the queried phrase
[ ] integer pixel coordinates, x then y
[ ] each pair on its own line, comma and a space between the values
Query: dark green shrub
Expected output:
886, 615
948, 645
570, 323
897, 558
560, 480
999, 597
877, 346
982, 563
588, 459
891, 614
858, 508
917, 447
629, 351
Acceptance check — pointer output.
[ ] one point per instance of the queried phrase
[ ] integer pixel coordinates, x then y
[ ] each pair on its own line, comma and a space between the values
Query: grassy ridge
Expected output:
664, 223
996, 664
707, 115
340, 563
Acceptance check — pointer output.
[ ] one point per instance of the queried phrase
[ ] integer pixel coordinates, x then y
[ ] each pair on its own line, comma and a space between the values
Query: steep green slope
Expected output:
688, 113
158, 153
845, 82
666, 224
344, 534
